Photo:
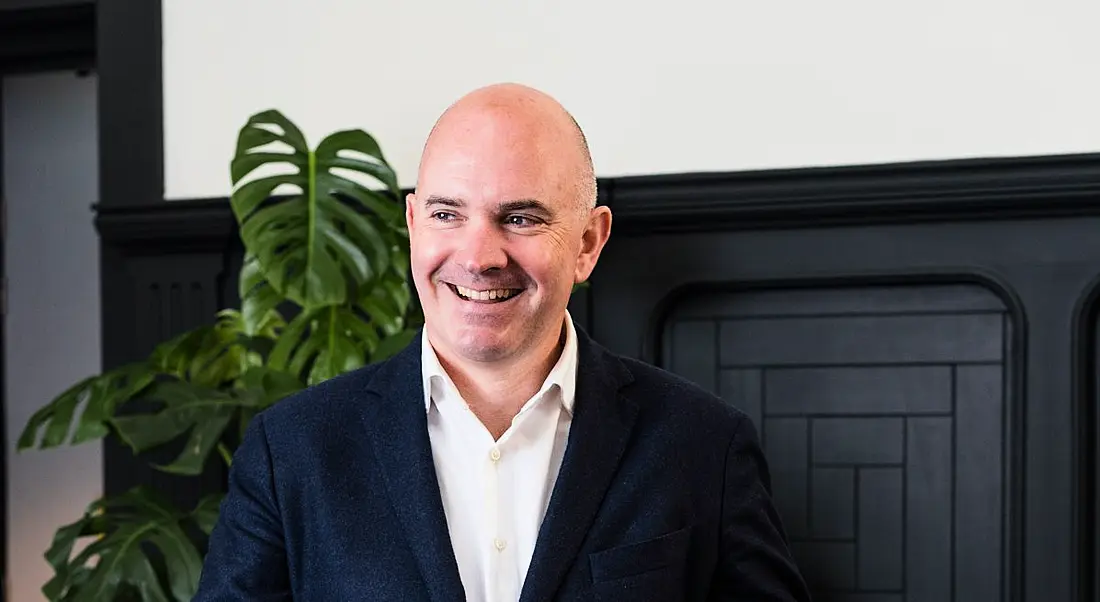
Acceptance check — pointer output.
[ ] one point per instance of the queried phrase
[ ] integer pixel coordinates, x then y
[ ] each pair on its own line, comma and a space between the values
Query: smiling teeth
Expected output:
491, 295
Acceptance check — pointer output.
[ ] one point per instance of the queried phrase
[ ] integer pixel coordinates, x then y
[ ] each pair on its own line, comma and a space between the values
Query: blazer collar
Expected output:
598, 436
601, 425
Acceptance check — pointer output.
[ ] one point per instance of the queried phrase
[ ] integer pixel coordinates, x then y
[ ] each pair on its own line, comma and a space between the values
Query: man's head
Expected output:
503, 223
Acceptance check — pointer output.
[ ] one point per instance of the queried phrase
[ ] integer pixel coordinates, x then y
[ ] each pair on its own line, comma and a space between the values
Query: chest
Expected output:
495, 491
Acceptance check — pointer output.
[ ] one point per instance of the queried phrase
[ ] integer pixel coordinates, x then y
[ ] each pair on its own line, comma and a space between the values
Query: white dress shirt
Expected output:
495, 493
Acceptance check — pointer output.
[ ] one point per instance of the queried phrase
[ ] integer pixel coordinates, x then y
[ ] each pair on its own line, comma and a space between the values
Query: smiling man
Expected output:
504, 455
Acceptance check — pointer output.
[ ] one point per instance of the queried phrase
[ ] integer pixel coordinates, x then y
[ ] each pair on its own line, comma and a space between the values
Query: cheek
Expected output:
550, 264
426, 255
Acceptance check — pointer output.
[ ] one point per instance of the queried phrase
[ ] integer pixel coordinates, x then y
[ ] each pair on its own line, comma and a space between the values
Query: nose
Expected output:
482, 248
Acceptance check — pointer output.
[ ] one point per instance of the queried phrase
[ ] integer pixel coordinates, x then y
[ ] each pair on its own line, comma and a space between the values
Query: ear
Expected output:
595, 236
410, 205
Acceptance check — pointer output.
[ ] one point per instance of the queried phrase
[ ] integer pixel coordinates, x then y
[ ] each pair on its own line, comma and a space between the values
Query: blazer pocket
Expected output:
641, 557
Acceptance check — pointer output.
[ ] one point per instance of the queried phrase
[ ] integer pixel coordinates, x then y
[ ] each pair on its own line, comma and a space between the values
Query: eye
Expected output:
442, 216
519, 220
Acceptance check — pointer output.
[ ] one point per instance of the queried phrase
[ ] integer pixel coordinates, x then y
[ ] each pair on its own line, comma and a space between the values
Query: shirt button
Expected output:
499, 544
494, 454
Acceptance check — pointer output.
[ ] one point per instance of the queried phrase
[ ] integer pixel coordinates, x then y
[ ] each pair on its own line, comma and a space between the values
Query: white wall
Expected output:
689, 85
51, 330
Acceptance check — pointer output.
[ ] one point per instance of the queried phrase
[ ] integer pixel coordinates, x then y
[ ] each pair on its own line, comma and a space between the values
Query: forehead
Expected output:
492, 159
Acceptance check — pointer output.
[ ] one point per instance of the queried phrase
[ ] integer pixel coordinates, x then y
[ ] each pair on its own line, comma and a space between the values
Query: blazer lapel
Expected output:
598, 435
398, 429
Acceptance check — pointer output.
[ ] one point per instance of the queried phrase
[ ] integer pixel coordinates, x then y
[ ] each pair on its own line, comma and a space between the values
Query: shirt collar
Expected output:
438, 384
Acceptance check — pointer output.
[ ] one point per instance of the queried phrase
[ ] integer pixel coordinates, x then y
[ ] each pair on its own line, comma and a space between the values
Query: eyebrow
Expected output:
435, 199
533, 205
525, 205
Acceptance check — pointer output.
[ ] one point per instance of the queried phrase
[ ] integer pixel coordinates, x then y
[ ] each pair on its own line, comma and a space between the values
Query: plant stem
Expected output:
226, 454
311, 199
332, 336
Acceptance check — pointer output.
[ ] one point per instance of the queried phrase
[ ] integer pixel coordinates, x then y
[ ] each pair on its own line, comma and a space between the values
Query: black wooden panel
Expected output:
842, 390
1087, 394
840, 301
928, 529
174, 294
170, 294
884, 424
861, 340
833, 515
979, 445
1089, 510
48, 38
131, 102
1090, 470
879, 534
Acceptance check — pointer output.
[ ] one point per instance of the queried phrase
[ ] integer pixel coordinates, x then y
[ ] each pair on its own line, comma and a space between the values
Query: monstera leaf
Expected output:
215, 354
115, 561
102, 394
184, 407
321, 343
258, 298
316, 235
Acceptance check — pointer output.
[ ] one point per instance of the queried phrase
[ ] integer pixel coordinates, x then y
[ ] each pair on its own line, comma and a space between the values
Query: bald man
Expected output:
504, 455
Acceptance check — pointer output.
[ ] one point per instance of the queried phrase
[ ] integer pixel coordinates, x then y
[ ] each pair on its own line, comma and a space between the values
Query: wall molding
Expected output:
198, 222
964, 189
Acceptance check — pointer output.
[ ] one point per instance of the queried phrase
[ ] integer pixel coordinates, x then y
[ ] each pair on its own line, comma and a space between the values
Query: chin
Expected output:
483, 346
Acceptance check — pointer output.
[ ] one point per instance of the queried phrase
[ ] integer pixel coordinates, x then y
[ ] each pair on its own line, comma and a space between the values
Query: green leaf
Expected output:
324, 343
210, 355
206, 512
266, 386
260, 127
187, 408
102, 393
289, 339
382, 314
258, 299
389, 211
339, 350
329, 238
58, 556
139, 572
254, 193
115, 560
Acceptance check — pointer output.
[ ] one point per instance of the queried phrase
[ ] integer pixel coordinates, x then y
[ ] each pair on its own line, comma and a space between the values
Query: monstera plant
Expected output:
324, 290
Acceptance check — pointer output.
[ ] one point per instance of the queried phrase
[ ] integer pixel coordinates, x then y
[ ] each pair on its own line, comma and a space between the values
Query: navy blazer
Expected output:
663, 494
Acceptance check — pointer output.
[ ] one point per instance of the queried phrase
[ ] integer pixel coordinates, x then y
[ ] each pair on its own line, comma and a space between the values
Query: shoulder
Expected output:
317, 408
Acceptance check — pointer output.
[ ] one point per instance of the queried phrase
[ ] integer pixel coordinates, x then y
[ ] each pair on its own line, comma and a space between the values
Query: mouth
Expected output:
497, 295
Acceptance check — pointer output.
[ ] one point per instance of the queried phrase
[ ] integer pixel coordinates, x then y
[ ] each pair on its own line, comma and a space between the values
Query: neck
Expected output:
496, 391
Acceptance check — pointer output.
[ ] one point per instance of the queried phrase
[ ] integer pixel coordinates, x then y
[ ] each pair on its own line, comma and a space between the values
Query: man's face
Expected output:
498, 238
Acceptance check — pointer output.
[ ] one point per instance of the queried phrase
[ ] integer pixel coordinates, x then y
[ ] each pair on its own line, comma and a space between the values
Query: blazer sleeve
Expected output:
755, 561
246, 558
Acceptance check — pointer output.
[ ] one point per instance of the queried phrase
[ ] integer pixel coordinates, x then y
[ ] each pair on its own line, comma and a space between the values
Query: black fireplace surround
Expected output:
915, 342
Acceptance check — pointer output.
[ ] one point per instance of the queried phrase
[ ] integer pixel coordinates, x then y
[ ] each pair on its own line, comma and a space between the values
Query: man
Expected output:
504, 455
